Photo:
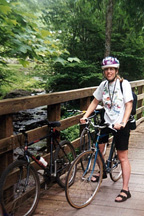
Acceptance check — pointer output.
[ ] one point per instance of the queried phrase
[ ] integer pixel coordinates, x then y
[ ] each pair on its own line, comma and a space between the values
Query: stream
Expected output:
27, 117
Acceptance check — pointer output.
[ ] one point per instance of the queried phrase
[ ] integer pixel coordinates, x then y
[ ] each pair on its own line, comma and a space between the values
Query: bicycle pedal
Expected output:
93, 149
45, 186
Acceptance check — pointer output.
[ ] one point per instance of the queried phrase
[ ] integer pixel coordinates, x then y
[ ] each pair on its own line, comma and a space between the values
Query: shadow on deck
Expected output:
53, 201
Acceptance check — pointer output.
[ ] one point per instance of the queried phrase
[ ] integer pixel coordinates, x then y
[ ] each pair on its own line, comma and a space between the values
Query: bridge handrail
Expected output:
53, 101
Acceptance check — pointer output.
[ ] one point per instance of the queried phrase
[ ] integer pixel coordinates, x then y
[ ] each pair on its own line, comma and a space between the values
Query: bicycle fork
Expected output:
25, 184
89, 165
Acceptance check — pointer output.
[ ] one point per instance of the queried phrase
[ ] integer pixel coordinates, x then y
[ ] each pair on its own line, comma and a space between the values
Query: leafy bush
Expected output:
73, 76
70, 133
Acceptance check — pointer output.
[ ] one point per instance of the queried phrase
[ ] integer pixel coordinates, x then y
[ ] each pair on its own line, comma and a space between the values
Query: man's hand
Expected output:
119, 126
83, 120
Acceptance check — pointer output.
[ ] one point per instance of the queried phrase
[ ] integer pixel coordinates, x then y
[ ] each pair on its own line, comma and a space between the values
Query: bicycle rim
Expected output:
83, 190
19, 192
116, 171
64, 156
85, 141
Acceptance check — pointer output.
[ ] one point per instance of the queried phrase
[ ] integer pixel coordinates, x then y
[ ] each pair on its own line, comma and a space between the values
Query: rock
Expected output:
29, 116
17, 93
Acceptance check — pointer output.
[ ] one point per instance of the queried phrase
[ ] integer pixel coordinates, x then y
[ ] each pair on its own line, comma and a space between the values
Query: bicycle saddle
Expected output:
54, 124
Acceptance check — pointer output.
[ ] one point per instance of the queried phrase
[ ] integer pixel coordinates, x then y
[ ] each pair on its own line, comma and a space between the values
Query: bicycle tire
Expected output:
116, 171
16, 196
86, 140
83, 190
64, 156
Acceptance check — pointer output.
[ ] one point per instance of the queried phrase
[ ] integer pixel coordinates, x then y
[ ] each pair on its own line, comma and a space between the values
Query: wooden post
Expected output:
54, 114
140, 102
6, 128
84, 103
1, 212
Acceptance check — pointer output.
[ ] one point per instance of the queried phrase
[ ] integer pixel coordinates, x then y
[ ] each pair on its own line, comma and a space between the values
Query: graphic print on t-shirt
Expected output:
116, 104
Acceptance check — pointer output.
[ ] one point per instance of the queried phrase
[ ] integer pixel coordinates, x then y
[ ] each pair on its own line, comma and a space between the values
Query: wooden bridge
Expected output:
53, 102
53, 201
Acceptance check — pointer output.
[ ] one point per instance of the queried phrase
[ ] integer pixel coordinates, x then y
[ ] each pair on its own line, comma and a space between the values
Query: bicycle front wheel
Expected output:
82, 191
64, 156
116, 171
86, 140
19, 189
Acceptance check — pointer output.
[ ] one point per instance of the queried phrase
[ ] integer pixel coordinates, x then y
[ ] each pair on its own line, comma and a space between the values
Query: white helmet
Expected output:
110, 62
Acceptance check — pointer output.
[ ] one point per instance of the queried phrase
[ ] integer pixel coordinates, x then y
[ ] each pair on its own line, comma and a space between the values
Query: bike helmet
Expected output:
110, 62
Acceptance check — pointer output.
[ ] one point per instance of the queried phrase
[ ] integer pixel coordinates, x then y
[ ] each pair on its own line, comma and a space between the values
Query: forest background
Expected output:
58, 45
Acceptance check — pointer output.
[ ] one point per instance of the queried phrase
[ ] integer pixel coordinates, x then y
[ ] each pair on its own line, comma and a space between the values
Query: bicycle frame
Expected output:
107, 165
28, 154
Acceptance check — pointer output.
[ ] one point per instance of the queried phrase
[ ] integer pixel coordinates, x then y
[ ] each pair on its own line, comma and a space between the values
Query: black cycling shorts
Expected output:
121, 137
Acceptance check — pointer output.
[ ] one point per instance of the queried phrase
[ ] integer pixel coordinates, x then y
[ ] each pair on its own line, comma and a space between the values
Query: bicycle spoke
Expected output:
64, 156
19, 191
116, 171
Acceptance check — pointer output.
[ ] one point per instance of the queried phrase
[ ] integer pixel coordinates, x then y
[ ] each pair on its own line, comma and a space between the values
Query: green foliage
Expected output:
128, 41
66, 39
15, 76
23, 34
81, 28
70, 133
73, 76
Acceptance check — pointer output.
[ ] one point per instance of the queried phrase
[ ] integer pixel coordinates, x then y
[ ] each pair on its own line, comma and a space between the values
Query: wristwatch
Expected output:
122, 123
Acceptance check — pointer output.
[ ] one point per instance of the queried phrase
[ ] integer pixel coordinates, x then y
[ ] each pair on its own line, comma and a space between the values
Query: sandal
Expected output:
97, 177
124, 198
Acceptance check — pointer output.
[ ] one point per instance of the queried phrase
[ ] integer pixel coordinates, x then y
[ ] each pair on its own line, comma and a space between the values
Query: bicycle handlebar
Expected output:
100, 126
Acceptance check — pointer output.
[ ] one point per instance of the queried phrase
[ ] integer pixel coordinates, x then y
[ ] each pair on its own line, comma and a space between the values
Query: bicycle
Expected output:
89, 163
88, 135
20, 182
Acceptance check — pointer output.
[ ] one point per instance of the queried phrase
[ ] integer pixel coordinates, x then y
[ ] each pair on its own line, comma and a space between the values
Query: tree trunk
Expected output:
109, 16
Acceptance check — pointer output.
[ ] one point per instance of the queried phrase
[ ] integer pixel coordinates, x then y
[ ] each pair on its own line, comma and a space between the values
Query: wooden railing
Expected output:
53, 101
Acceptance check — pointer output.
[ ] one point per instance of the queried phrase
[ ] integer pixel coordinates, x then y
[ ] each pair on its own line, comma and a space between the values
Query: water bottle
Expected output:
42, 160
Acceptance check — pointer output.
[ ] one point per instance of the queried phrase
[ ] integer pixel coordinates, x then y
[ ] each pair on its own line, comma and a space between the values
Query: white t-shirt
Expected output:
113, 99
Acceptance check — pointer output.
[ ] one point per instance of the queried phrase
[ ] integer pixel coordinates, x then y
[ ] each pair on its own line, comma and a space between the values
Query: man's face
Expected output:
110, 73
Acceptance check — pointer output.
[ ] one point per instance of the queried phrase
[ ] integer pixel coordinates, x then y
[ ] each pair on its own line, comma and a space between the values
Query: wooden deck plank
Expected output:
53, 201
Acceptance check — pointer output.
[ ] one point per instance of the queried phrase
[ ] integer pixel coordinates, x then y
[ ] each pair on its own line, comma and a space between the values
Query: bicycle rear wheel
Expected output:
19, 189
116, 171
82, 191
64, 156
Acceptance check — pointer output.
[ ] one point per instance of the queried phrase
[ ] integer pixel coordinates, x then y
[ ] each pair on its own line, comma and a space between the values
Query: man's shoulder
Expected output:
103, 83
125, 82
